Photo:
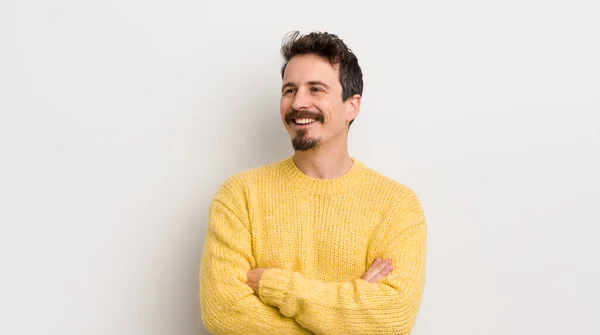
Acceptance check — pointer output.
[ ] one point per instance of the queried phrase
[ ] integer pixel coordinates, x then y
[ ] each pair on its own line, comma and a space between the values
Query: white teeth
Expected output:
304, 121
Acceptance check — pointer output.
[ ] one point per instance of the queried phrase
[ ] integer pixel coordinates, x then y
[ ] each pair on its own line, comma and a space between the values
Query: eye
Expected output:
316, 89
289, 90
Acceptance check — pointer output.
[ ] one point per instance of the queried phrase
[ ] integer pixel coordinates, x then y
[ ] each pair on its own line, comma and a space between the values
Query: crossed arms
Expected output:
236, 297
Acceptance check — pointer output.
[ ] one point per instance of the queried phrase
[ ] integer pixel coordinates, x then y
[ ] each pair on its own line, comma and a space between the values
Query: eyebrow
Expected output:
312, 82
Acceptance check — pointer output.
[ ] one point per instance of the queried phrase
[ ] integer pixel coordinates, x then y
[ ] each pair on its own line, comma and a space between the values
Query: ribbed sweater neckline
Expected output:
311, 185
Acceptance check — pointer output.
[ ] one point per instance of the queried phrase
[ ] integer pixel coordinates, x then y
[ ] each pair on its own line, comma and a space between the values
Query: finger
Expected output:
376, 270
375, 263
372, 271
384, 272
384, 269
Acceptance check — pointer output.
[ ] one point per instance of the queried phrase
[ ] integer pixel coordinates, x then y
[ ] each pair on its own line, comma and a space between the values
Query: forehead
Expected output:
304, 68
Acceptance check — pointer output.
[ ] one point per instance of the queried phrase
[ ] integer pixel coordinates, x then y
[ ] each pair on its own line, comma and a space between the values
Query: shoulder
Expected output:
401, 206
242, 181
392, 189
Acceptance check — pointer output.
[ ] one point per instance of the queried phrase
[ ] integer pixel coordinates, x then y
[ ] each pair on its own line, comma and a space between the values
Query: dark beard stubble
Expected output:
301, 142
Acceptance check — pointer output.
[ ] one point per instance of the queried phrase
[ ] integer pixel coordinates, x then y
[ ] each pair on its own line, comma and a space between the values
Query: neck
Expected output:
324, 163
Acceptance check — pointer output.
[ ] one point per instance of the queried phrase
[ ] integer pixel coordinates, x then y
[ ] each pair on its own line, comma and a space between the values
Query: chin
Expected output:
305, 144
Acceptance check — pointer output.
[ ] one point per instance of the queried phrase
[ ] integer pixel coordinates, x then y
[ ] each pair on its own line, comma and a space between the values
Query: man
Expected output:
316, 243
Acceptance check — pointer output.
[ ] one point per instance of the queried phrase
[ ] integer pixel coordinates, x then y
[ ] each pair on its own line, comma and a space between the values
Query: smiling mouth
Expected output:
303, 122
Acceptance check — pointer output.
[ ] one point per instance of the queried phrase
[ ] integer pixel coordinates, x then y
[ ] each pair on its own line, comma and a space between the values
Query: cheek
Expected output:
335, 111
284, 106
334, 107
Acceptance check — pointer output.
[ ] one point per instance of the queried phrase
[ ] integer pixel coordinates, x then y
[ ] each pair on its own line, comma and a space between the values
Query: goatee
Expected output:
301, 142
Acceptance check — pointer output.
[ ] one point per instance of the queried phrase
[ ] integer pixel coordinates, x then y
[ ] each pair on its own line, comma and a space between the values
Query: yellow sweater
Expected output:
317, 238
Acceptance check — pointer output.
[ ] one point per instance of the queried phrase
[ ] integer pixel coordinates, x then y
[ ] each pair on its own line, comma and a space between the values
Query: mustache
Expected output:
303, 114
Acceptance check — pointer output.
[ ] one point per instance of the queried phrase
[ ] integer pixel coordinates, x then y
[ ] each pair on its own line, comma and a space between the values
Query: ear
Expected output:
352, 107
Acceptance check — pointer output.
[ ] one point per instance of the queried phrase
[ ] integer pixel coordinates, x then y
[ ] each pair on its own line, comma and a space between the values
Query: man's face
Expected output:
311, 107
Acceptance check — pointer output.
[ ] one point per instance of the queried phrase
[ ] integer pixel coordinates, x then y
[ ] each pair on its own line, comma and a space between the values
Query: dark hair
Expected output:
330, 47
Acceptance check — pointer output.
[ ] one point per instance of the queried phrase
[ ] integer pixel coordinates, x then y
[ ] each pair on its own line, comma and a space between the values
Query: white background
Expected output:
119, 119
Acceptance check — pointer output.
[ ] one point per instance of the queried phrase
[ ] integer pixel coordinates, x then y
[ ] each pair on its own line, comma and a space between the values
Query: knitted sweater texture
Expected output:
316, 238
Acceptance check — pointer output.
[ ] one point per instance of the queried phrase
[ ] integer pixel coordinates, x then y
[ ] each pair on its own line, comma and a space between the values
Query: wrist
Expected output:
273, 286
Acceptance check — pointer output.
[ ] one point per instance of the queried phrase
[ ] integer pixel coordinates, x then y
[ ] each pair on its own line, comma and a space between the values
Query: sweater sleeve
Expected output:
228, 305
359, 307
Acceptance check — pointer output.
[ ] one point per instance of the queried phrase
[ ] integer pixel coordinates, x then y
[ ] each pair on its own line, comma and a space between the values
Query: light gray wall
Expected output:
119, 119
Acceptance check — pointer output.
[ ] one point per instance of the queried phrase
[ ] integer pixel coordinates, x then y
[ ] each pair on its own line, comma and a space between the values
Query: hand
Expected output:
253, 278
378, 269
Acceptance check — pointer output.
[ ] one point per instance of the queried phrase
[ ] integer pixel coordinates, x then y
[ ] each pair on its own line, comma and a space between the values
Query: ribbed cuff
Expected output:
273, 286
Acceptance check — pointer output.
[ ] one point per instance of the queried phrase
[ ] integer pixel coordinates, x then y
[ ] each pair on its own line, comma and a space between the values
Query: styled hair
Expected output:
331, 48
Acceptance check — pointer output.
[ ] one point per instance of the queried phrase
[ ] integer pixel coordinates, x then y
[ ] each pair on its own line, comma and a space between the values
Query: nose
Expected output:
301, 100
